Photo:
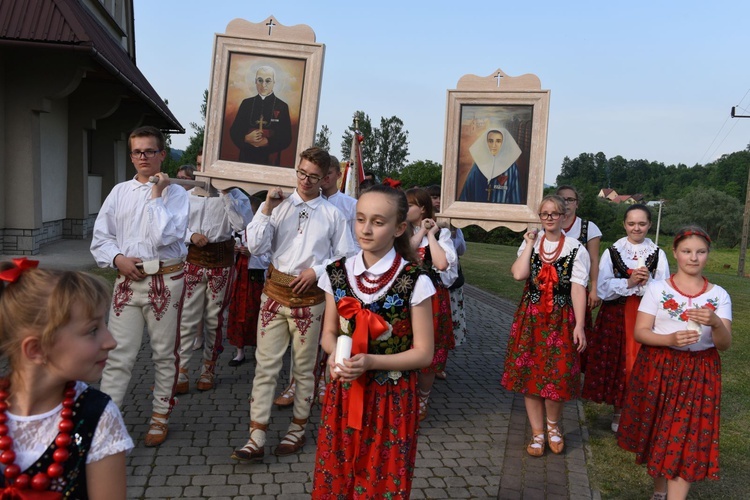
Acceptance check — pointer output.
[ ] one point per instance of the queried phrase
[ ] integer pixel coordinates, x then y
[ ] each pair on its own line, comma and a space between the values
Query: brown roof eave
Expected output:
175, 126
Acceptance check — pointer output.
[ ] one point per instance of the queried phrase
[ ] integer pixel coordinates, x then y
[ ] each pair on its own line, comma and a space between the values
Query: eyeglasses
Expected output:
149, 153
570, 200
552, 216
260, 81
301, 175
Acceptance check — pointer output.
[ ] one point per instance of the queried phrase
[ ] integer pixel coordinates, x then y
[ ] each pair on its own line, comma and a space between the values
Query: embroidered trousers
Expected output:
205, 297
278, 324
156, 303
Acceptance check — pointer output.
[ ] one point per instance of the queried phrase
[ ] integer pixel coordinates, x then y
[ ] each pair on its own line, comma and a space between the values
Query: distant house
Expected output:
611, 195
69, 94
607, 193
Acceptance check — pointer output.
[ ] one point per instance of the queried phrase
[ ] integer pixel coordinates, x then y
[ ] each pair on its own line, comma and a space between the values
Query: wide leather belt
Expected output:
164, 267
220, 254
277, 288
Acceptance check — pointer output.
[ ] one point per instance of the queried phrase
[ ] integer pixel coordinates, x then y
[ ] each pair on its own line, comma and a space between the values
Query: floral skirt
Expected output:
378, 461
541, 359
458, 316
244, 305
443, 328
671, 414
605, 374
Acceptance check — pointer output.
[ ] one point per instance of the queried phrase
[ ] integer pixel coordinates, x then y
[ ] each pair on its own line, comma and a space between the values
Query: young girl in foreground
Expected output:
542, 361
625, 270
63, 438
439, 259
367, 439
671, 414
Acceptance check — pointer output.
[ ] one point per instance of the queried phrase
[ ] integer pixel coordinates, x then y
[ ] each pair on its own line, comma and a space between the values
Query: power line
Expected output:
705, 154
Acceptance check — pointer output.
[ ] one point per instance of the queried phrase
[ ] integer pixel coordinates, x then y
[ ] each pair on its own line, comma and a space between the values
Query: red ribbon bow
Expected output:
11, 275
368, 326
546, 281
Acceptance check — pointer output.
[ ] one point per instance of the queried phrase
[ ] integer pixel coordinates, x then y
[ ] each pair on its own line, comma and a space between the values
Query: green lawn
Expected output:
613, 471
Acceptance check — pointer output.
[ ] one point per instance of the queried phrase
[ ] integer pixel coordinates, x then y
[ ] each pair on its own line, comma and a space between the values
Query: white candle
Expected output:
343, 350
693, 325
641, 262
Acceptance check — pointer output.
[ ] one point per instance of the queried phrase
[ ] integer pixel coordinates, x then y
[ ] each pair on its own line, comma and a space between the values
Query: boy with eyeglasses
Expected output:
140, 231
304, 233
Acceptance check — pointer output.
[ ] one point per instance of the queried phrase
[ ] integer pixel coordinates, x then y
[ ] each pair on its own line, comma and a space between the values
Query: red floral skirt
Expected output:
605, 374
442, 323
378, 461
244, 306
671, 414
541, 359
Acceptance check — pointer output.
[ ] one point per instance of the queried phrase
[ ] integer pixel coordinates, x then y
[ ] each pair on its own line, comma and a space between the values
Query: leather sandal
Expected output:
294, 439
286, 398
252, 451
206, 380
157, 430
183, 382
536, 446
555, 437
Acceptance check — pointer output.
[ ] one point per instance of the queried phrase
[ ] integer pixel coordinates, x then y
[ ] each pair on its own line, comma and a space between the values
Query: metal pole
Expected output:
658, 222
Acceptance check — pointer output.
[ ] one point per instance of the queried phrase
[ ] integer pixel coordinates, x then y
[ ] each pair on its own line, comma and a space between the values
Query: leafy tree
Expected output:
196, 140
368, 144
715, 211
420, 173
322, 138
392, 147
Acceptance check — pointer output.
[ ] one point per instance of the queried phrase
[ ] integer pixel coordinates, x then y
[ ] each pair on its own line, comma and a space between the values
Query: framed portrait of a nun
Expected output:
495, 148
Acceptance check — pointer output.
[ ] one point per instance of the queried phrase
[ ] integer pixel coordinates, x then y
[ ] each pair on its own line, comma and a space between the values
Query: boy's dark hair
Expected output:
318, 157
148, 131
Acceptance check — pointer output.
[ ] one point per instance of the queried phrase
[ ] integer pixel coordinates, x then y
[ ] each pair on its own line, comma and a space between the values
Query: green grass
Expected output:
613, 471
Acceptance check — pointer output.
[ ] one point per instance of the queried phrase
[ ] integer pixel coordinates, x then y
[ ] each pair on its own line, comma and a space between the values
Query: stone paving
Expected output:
472, 444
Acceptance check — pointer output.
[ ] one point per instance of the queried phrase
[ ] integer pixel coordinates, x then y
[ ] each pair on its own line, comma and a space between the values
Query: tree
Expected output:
715, 211
421, 173
196, 140
322, 138
368, 144
392, 147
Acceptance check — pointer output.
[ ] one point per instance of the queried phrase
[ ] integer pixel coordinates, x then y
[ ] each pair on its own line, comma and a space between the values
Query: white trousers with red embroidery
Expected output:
156, 303
278, 324
206, 298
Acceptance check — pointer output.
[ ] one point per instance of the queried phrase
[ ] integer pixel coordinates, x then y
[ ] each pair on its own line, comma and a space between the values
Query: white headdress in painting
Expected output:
492, 166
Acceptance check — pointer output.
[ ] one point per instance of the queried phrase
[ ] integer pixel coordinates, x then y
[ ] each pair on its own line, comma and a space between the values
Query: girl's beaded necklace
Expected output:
550, 257
378, 282
689, 297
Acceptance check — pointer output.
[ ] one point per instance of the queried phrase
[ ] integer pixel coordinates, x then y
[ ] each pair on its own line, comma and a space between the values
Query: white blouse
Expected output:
575, 230
217, 217
667, 306
33, 434
610, 288
446, 243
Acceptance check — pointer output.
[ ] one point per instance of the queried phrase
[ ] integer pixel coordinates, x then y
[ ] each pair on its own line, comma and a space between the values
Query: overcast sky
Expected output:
641, 79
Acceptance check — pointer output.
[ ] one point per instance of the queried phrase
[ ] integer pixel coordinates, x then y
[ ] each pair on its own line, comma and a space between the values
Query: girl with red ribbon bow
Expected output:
367, 439
547, 336
53, 333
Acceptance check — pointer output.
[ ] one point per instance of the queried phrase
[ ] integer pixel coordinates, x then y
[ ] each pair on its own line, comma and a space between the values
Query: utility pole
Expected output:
745, 217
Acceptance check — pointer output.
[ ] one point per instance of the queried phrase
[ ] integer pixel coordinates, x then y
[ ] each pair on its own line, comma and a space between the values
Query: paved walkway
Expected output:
472, 444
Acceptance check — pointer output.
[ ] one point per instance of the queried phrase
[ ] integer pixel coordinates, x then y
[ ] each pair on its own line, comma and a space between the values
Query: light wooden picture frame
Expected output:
243, 147
495, 150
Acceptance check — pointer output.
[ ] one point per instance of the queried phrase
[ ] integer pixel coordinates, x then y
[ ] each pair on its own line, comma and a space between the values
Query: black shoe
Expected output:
237, 362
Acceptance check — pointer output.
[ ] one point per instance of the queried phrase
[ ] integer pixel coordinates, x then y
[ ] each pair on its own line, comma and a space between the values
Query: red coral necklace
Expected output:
552, 256
378, 282
40, 481
689, 297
